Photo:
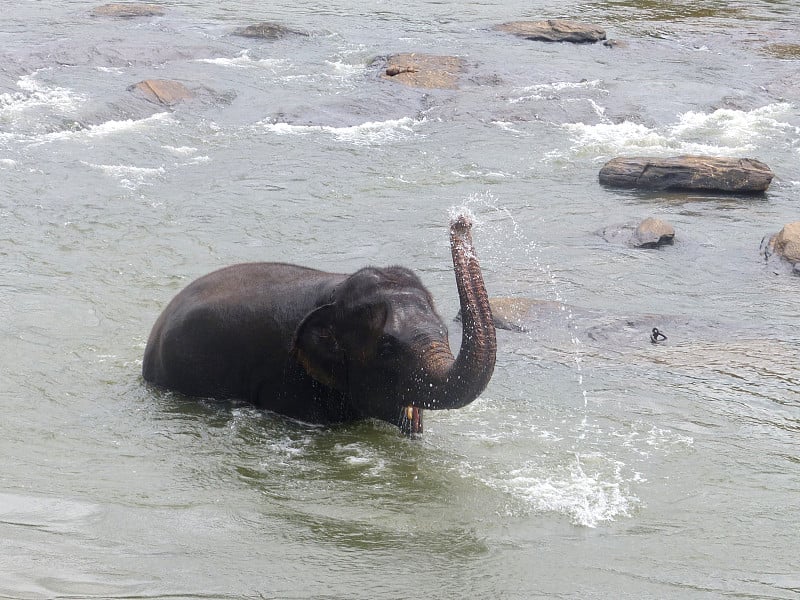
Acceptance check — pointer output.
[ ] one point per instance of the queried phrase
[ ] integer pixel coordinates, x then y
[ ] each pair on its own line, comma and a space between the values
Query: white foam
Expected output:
543, 90
113, 127
359, 455
8, 162
180, 150
724, 131
372, 132
35, 94
734, 126
129, 176
288, 448
346, 68
587, 498
243, 60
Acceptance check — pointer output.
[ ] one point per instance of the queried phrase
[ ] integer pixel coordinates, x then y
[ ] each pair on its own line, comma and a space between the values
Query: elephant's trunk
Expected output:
453, 383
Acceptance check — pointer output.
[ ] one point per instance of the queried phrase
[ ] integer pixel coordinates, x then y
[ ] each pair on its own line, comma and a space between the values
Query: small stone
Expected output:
555, 30
128, 10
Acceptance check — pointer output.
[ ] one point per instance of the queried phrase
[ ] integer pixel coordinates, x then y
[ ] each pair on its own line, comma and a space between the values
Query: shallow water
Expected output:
595, 465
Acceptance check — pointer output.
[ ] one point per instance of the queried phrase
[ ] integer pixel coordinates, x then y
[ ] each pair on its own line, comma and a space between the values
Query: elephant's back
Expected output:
228, 321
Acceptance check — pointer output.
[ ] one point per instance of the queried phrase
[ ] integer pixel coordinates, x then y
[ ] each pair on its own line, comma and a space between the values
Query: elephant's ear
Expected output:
317, 349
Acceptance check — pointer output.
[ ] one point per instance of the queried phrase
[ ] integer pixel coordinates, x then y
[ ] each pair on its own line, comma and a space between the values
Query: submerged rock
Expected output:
128, 10
267, 31
703, 173
520, 314
162, 91
615, 44
784, 51
555, 30
785, 245
650, 233
424, 70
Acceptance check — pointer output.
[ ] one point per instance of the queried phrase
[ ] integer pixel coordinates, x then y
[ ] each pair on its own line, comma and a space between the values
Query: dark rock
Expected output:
424, 70
702, 173
267, 31
554, 30
162, 91
652, 233
128, 10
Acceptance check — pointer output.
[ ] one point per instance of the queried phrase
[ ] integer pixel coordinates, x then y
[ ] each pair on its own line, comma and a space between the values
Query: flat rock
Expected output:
652, 233
424, 70
128, 10
162, 91
267, 31
555, 30
702, 173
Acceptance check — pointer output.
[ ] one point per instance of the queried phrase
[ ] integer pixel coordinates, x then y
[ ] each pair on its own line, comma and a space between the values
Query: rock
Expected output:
128, 10
784, 51
652, 233
554, 30
518, 314
162, 91
267, 31
615, 44
424, 70
786, 244
703, 173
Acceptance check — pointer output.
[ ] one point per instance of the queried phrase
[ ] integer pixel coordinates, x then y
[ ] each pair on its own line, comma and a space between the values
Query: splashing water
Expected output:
587, 496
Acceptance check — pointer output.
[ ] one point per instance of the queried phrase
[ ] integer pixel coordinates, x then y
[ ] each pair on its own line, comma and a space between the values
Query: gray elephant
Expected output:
327, 347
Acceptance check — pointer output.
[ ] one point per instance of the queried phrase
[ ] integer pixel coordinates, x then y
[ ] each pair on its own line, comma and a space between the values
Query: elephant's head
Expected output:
382, 344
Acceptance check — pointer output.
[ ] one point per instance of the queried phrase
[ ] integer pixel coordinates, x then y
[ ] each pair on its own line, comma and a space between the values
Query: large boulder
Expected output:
128, 10
424, 70
554, 30
162, 91
267, 31
702, 173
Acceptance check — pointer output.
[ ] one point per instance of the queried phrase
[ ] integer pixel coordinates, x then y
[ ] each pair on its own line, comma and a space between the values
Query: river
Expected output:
595, 465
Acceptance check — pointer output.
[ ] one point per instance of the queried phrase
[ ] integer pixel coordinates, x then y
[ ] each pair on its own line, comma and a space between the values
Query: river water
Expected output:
595, 465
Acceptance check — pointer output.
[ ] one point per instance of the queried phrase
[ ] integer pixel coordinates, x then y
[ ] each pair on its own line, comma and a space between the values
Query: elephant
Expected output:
325, 347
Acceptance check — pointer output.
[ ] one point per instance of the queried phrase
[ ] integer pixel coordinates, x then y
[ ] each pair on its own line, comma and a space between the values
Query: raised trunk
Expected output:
449, 383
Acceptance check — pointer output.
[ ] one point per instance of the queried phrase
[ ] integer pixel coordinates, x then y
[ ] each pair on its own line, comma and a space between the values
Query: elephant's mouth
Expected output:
411, 420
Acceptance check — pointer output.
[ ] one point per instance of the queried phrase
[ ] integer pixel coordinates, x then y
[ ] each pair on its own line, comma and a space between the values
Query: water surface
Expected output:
595, 465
